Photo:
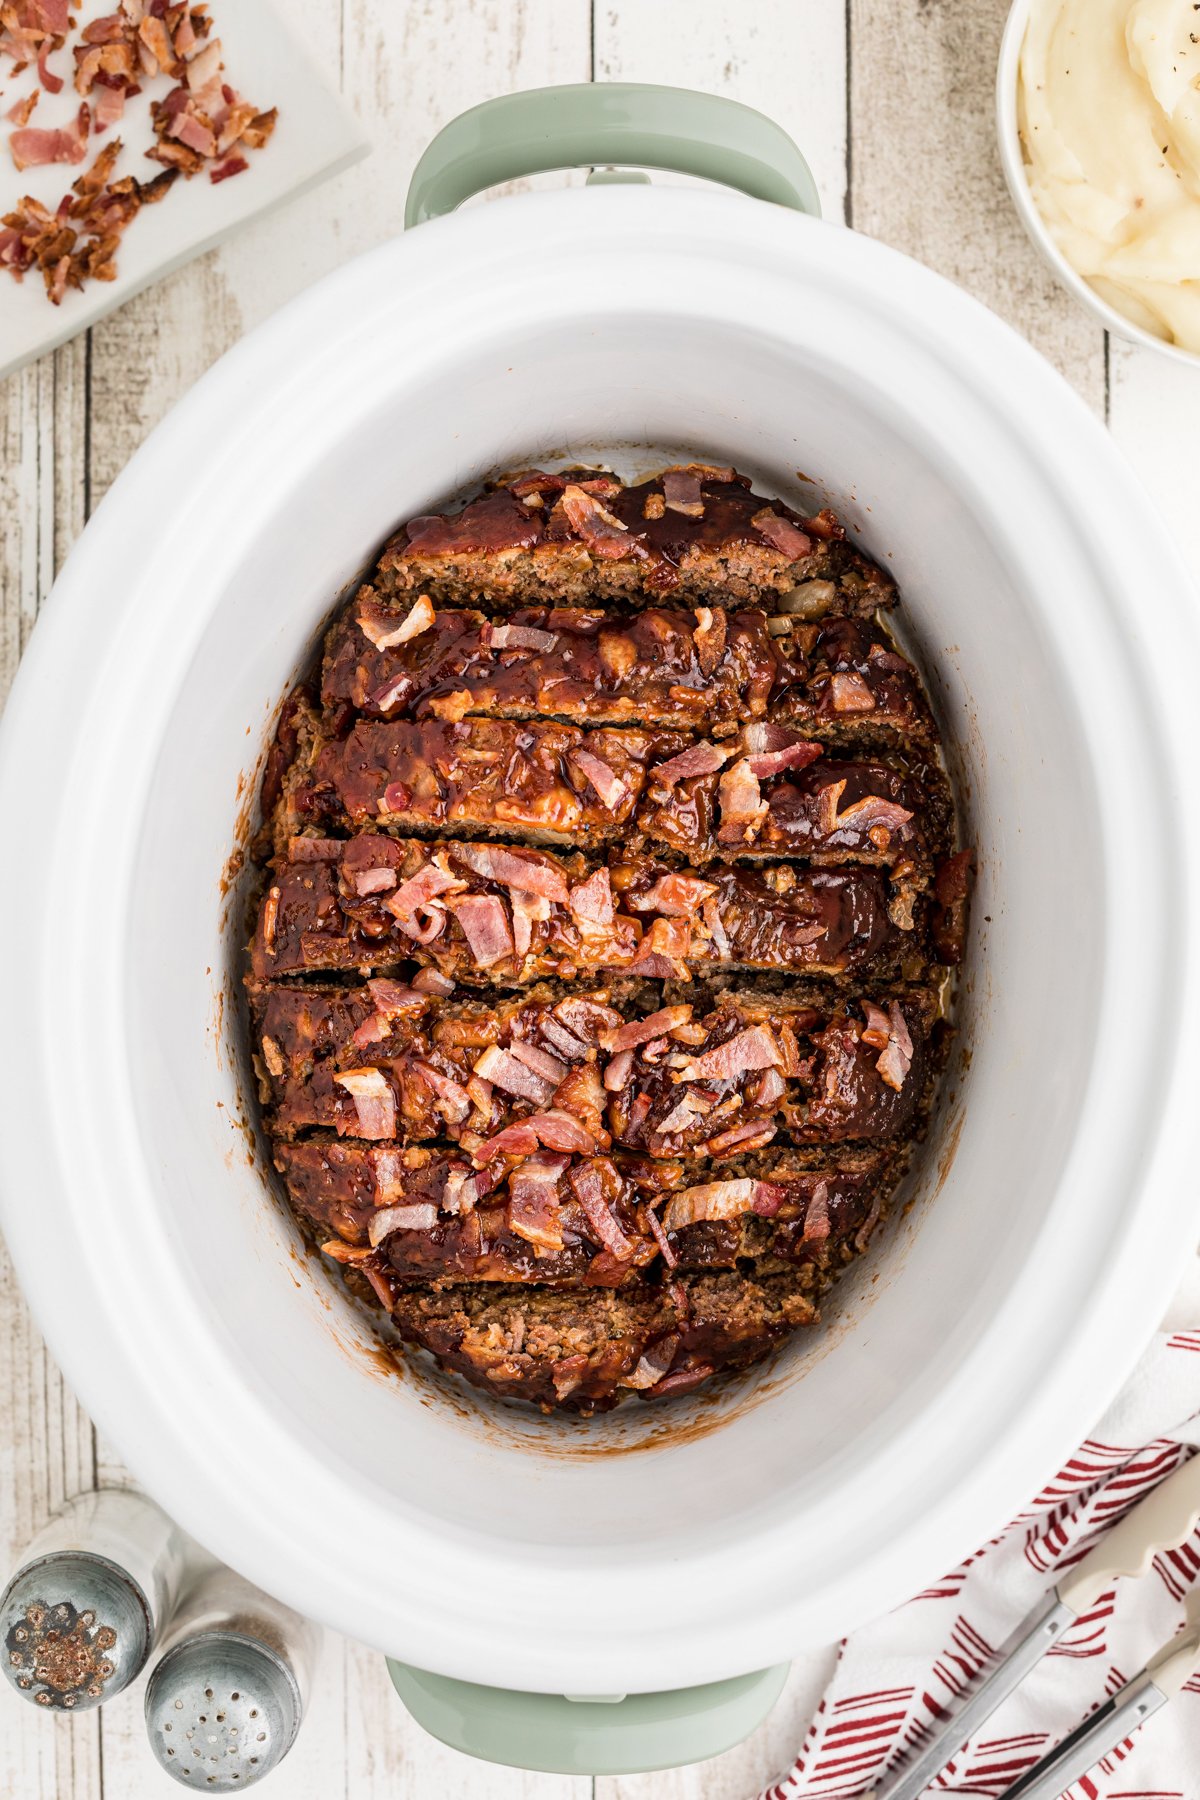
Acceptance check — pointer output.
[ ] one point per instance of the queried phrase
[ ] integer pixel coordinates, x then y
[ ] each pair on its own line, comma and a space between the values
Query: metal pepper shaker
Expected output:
82, 1613
225, 1701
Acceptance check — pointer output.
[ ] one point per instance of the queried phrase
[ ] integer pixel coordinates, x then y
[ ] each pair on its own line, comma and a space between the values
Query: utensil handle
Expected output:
627, 124
1176, 1662
1163, 1520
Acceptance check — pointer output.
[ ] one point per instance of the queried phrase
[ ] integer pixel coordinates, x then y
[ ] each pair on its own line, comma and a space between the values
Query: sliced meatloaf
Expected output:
584, 1351
609, 889
704, 670
499, 914
579, 536
715, 1075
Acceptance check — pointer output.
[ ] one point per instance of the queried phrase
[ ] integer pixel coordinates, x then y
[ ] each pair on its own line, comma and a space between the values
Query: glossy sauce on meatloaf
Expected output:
609, 891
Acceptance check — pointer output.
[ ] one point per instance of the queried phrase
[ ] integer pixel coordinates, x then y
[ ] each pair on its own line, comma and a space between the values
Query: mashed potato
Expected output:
1109, 111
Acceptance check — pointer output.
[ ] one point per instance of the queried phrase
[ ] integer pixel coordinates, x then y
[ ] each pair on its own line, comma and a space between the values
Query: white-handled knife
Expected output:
1163, 1520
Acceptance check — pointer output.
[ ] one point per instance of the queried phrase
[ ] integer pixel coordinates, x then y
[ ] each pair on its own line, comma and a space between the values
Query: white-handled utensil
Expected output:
1111, 1724
1164, 1519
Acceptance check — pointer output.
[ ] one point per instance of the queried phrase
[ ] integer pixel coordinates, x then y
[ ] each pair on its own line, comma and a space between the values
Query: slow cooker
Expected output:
1053, 1202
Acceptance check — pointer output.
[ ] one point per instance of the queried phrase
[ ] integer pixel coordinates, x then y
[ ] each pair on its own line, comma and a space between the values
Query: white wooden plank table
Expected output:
891, 101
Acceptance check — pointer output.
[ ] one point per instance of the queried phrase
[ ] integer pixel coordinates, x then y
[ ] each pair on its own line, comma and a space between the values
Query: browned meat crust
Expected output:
573, 540
614, 1167
375, 902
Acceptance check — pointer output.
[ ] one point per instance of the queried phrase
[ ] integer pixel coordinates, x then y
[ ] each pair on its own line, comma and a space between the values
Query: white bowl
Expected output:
1012, 158
1055, 1203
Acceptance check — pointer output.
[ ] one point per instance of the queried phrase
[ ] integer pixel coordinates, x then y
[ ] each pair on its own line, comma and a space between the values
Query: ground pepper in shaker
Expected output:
90, 1599
225, 1701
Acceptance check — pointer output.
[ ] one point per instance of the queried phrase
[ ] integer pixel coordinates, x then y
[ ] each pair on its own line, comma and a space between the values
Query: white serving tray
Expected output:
317, 136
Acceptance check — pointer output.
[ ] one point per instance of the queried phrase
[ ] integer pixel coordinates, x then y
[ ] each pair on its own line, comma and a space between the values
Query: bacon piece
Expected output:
533, 1207
755, 1135
33, 148
701, 759
516, 1140
422, 1215
850, 694
796, 754
550, 1068
602, 532
709, 637
52, 83
485, 926
588, 1189
678, 894
432, 981
233, 165
743, 808
414, 893
816, 1214
663, 951
754, 1048
454, 1102
896, 1060
378, 629
20, 113
642, 1031
877, 1030
519, 637
607, 783
374, 1101
591, 902
154, 34
661, 1239
561, 1130
681, 492
523, 870
528, 910
781, 534
617, 1071
507, 1071
706, 471
769, 1088
718, 1200
869, 815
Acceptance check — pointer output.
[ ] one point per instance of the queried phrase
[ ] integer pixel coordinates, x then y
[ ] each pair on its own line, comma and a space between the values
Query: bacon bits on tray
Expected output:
609, 887
195, 120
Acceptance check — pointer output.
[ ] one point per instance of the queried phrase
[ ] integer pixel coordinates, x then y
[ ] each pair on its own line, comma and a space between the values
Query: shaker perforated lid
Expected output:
76, 1629
222, 1711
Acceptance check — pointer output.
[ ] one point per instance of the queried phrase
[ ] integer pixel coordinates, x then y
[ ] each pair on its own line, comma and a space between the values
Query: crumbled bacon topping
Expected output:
201, 121
781, 534
601, 530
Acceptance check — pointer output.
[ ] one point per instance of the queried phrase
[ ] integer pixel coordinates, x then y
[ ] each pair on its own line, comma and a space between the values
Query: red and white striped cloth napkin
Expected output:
894, 1676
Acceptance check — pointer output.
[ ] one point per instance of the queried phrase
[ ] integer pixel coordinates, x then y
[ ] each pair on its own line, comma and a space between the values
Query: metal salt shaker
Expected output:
84, 1610
225, 1702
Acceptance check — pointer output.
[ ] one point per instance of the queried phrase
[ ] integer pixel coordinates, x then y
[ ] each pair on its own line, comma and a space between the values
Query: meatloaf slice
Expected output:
585, 1351
488, 913
576, 537
576, 1073
769, 792
426, 1214
705, 670
543, 781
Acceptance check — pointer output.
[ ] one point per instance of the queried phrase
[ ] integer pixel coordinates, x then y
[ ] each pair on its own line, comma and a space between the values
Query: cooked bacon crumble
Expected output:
202, 122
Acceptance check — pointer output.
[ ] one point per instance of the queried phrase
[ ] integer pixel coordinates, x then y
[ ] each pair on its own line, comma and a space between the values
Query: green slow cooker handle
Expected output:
589, 1735
620, 124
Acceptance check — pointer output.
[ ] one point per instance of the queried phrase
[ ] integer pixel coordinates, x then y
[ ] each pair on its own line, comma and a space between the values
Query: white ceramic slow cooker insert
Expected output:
1053, 1206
